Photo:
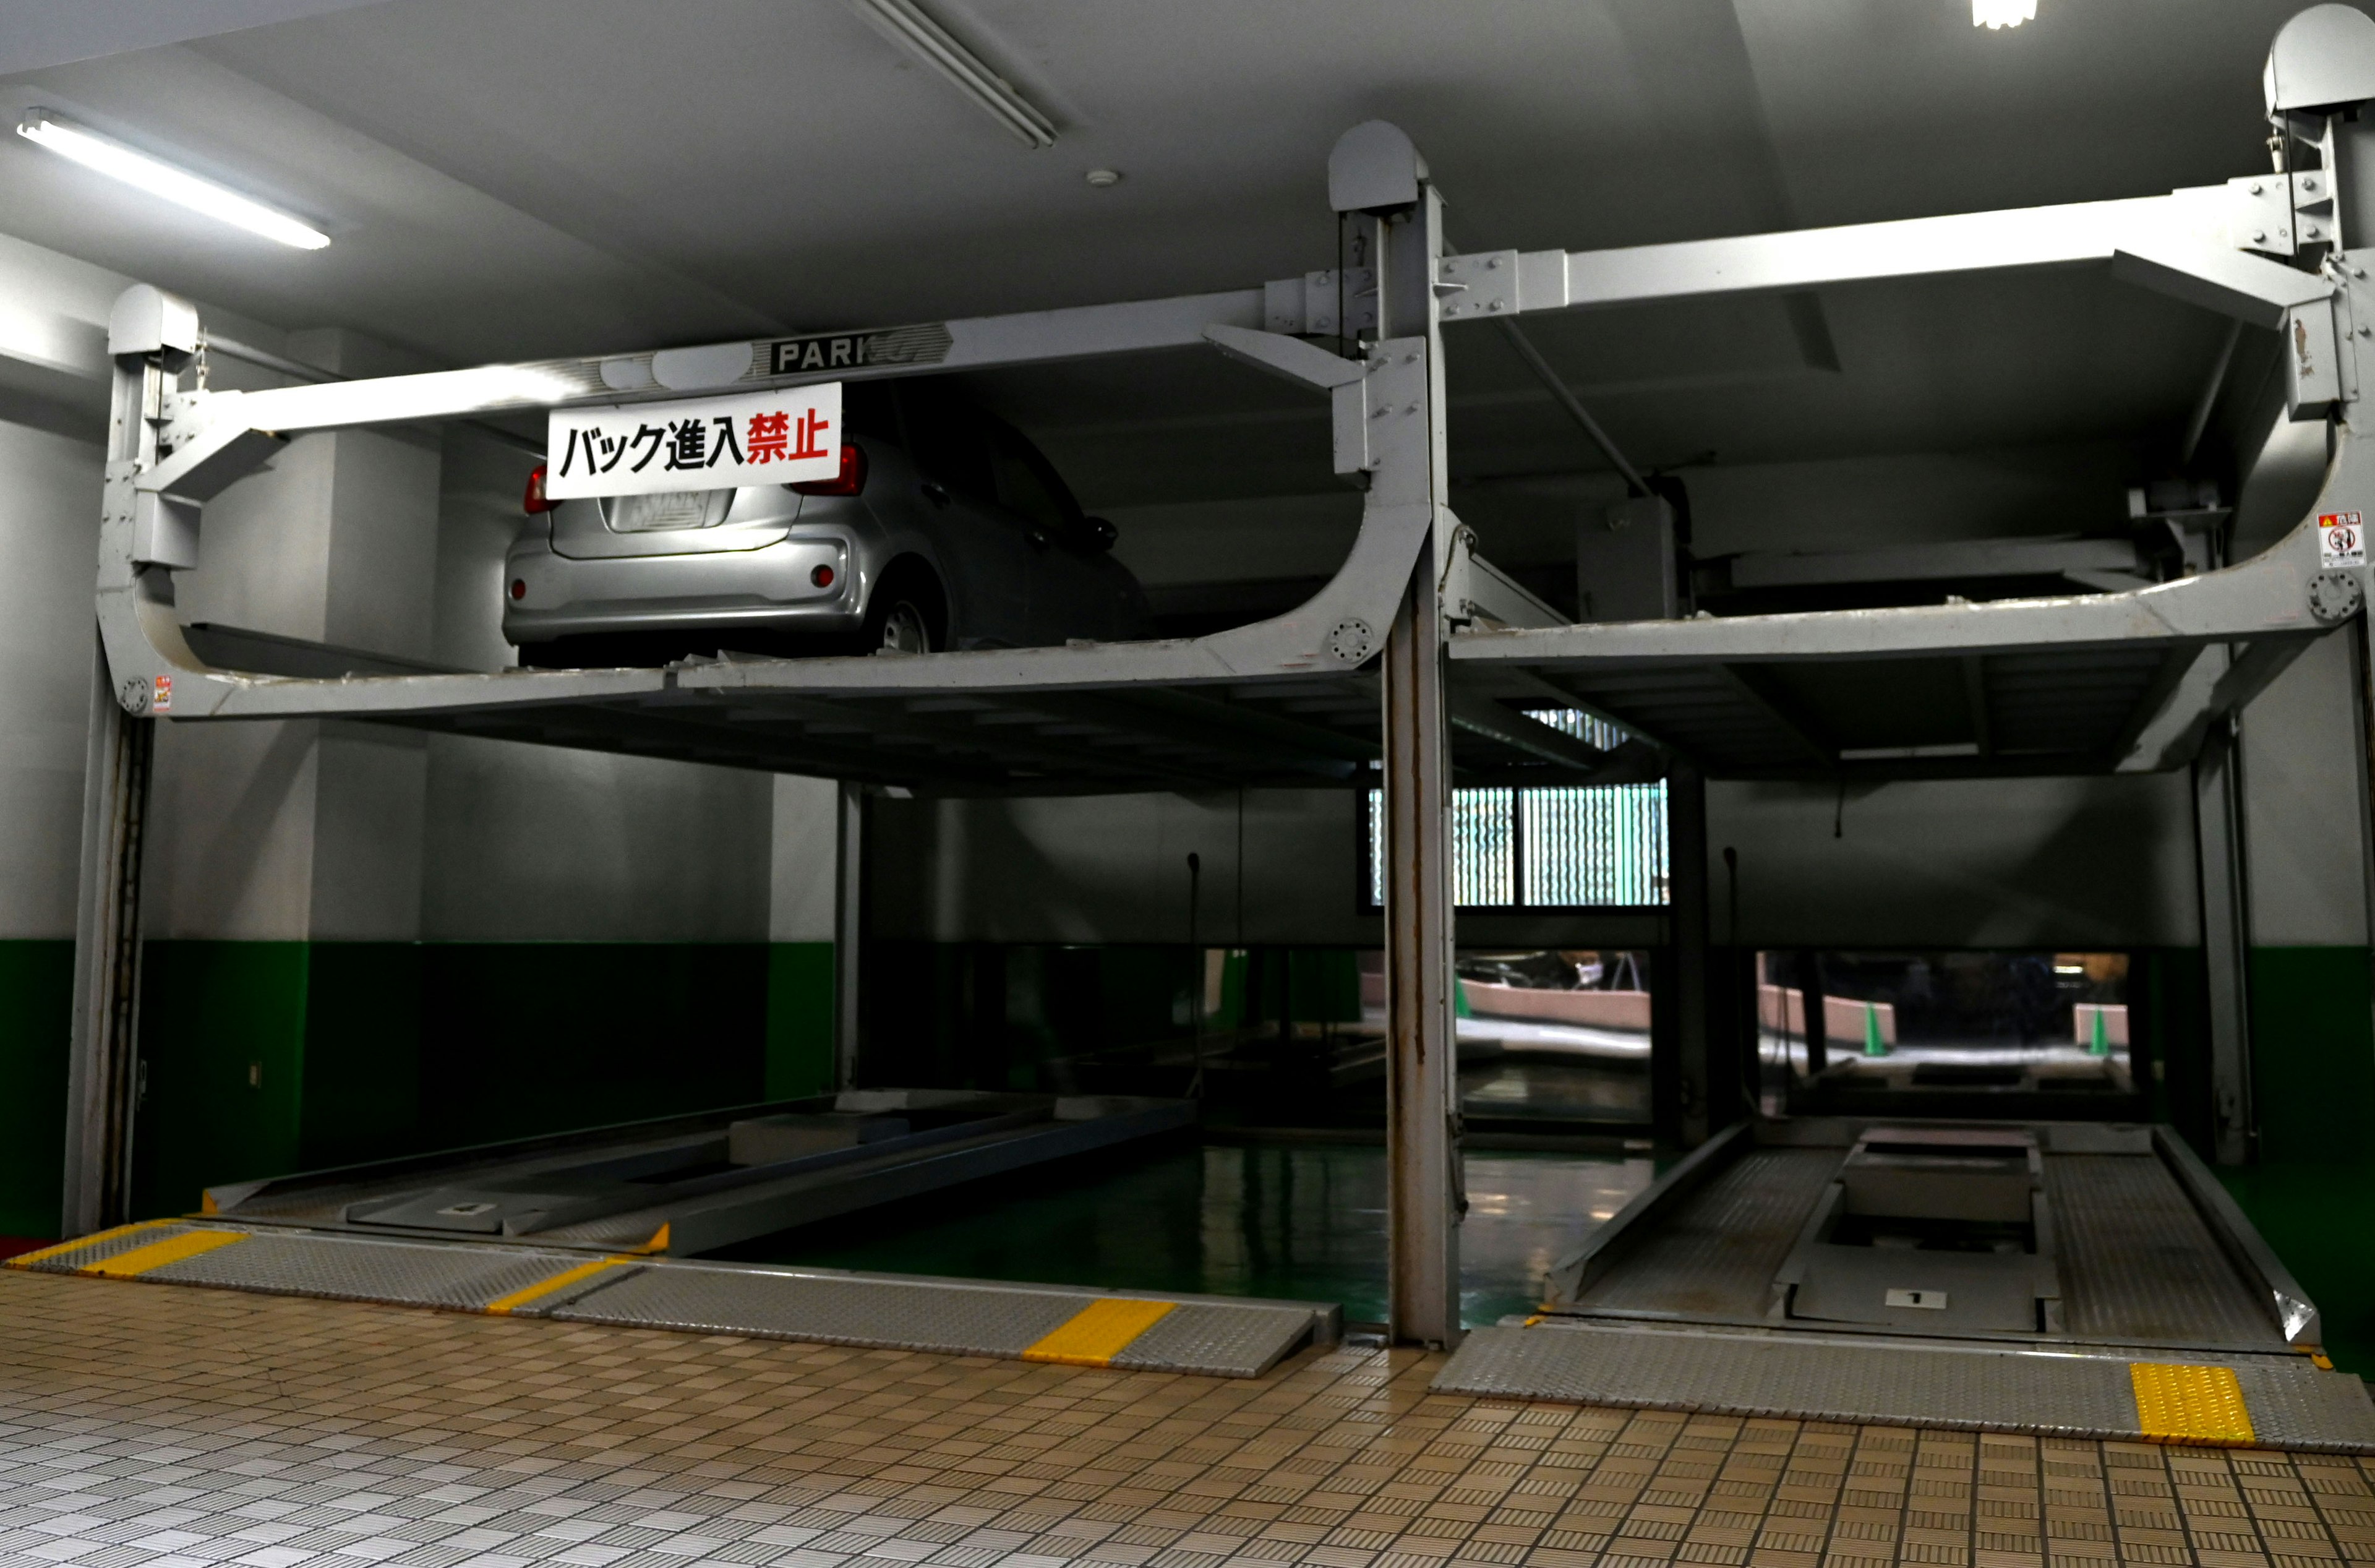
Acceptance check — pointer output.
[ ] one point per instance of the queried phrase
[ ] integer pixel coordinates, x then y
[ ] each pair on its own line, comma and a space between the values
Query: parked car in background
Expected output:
945, 529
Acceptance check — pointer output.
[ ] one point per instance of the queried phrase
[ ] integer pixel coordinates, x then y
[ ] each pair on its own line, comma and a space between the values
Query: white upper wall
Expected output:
49, 536
538, 844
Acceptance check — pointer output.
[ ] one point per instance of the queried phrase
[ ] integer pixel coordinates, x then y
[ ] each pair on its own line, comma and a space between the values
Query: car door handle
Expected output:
937, 494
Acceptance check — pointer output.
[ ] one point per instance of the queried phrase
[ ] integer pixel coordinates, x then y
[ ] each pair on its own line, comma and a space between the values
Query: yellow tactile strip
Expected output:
503, 1306
2176, 1403
280, 1429
1098, 1332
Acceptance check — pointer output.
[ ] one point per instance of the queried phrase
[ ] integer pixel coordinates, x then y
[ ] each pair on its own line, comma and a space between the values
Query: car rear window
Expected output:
1029, 485
867, 409
948, 442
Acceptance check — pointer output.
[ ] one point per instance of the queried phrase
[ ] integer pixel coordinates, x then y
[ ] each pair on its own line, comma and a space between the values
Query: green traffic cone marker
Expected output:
1872, 1044
2100, 1043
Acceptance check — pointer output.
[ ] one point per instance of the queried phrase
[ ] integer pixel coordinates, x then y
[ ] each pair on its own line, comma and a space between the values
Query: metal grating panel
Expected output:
2137, 1262
1718, 1256
107, 1245
1989, 1388
1230, 1340
956, 1319
1214, 1337
460, 1279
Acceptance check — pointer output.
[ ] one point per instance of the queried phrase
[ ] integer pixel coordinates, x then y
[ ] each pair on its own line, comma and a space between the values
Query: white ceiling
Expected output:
507, 178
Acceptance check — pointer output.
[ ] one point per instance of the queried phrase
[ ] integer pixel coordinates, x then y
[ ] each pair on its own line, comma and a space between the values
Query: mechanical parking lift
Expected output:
1420, 664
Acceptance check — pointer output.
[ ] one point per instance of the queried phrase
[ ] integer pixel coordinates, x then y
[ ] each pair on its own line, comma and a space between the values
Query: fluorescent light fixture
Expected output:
2003, 13
138, 170
904, 24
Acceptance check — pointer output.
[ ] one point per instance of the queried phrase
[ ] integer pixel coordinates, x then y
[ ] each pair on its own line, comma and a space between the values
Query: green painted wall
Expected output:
2312, 1192
36, 1012
267, 1057
222, 1040
799, 1019
2312, 1051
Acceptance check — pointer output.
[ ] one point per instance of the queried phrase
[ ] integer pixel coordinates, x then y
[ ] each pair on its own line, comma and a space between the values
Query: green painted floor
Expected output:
1302, 1222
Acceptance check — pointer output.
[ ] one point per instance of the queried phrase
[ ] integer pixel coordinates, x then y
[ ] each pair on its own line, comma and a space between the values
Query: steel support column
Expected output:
103, 1065
2225, 942
1421, 1056
1393, 436
1686, 883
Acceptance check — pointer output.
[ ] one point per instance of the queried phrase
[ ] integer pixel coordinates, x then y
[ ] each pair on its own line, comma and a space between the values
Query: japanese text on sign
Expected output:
711, 443
2341, 539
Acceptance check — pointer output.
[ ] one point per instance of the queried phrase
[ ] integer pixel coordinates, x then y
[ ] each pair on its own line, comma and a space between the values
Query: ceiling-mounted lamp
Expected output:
45, 128
904, 24
2003, 13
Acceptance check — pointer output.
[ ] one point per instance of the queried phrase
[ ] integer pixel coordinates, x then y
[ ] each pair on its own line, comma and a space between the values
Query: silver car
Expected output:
945, 529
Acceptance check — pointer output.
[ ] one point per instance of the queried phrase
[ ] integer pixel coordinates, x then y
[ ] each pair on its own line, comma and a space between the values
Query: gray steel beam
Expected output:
1522, 732
1931, 563
1760, 691
1266, 740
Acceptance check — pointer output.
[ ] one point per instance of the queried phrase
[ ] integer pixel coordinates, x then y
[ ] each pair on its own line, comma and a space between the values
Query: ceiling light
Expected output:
1105, 178
904, 24
2003, 13
179, 187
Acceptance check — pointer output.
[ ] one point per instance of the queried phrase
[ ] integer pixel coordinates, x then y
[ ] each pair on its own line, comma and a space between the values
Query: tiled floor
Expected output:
156, 1424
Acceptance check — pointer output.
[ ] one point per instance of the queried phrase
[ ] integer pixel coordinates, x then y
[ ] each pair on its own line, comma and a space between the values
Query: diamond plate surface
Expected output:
1233, 1341
1718, 1256
1984, 1388
2293, 1405
461, 1279
961, 1319
2137, 1262
113, 1243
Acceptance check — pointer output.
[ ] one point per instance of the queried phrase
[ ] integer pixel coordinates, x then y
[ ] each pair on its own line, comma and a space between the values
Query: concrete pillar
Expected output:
812, 936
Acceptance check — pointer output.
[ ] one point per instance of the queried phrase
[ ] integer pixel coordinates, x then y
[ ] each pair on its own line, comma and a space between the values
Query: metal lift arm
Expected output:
2185, 244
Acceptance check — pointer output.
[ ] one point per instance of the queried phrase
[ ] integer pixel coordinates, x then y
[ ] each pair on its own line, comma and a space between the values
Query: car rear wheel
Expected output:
904, 631
906, 615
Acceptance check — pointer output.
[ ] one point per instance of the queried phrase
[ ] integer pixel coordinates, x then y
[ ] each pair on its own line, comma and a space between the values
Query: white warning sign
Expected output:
2341, 539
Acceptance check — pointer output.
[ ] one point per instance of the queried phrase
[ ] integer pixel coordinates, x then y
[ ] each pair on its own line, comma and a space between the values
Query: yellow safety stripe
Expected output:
1098, 1332
2191, 1404
27, 1259
503, 1307
156, 1255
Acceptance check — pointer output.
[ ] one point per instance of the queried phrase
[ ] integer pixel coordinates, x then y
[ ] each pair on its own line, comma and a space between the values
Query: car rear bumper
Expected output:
547, 595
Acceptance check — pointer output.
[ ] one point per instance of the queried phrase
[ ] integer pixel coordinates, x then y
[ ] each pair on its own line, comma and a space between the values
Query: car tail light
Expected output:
821, 577
535, 501
851, 481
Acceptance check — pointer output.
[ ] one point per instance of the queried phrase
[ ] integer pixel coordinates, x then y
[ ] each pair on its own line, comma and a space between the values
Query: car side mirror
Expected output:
1102, 533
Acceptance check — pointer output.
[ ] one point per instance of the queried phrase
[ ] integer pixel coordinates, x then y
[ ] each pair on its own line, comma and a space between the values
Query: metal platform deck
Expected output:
690, 1184
1132, 1330
2276, 1400
2074, 1279
2145, 1246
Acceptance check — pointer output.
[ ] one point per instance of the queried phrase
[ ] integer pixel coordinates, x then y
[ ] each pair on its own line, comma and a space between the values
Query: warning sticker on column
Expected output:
2341, 540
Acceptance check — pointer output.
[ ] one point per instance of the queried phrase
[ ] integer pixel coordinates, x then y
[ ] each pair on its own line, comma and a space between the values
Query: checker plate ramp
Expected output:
2067, 1392
1137, 1331
959, 1317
